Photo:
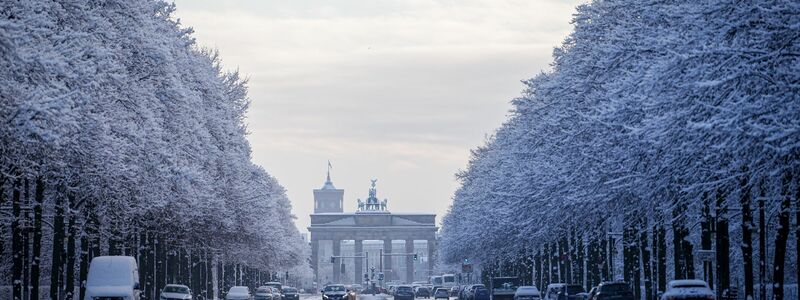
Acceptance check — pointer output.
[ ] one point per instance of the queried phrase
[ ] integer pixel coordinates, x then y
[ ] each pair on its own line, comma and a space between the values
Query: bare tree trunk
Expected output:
797, 225
546, 266
780, 239
16, 241
2, 200
607, 252
678, 261
747, 235
706, 240
58, 246
723, 245
644, 247
630, 256
762, 245
554, 272
661, 245
36, 260
26, 242
84, 266
72, 231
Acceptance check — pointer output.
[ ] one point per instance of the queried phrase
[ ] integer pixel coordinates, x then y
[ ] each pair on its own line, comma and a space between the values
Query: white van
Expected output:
113, 278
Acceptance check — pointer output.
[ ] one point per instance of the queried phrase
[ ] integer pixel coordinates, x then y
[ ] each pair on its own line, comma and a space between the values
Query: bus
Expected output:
435, 280
448, 280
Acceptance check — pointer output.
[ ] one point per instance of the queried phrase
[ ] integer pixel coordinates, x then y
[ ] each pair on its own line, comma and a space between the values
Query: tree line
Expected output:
662, 143
121, 136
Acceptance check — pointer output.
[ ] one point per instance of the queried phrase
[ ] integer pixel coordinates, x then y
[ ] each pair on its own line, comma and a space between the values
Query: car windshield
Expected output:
574, 289
176, 289
404, 289
239, 290
527, 289
614, 288
262, 290
690, 285
334, 288
289, 290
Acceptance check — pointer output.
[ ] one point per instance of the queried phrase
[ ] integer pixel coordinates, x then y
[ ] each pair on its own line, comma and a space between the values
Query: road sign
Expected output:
466, 268
706, 255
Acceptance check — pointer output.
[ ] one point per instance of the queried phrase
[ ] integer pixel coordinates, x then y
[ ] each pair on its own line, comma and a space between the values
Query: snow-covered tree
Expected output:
657, 121
124, 137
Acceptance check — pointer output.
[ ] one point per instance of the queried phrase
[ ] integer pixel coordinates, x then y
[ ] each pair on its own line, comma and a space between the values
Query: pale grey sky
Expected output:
398, 90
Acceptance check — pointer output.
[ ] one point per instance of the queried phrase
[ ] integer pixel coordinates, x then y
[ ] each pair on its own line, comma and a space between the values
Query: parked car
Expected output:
468, 292
275, 285
264, 293
334, 292
462, 292
616, 290
527, 292
113, 277
562, 291
422, 292
592, 293
481, 293
277, 294
175, 292
290, 293
441, 293
454, 291
403, 292
238, 293
690, 289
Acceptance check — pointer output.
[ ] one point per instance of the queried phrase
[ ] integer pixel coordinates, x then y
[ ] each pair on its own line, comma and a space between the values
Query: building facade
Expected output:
347, 245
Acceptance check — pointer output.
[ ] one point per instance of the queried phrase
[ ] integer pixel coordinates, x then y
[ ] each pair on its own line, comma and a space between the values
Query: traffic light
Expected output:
342, 268
415, 257
333, 259
466, 260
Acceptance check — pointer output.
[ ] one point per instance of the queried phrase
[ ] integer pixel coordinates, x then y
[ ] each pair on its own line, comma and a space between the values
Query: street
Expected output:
359, 297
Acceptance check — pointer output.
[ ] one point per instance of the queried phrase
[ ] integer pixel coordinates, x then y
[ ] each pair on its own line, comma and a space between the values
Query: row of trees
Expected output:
120, 136
663, 144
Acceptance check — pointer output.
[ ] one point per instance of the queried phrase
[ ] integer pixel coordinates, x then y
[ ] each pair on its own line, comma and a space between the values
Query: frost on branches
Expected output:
658, 122
121, 136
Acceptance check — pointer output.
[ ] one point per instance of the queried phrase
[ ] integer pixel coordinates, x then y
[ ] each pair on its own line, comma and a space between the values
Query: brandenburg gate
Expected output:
372, 221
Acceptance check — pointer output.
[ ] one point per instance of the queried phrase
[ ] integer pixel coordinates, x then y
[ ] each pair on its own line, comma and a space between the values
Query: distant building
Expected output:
355, 240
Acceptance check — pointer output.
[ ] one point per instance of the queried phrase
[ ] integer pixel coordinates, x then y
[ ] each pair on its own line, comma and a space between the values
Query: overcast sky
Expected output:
397, 90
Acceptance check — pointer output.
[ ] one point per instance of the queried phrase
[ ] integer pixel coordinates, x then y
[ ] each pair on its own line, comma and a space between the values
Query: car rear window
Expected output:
574, 289
690, 285
614, 288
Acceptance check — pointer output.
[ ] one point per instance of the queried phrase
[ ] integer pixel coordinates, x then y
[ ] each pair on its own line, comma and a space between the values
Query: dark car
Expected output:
480, 293
264, 293
423, 292
466, 293
561, 291
334, 292
442, 293
290, 293
613, 291
404, 292
454, 291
